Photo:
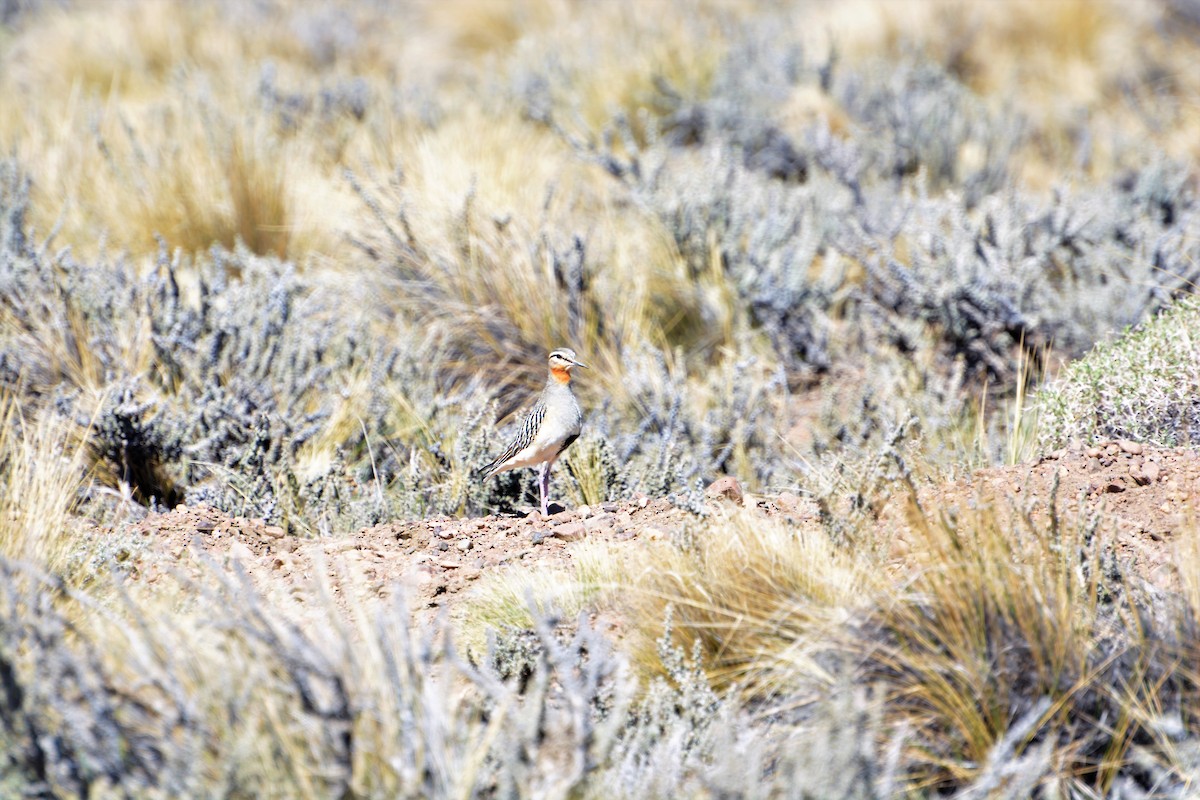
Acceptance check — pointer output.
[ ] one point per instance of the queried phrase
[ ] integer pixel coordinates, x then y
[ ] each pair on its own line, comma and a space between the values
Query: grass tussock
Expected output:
43, 472
1008, 656
757, 599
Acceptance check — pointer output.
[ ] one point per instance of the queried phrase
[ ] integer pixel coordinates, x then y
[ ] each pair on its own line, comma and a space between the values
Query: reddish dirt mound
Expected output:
436, 558
1148, 495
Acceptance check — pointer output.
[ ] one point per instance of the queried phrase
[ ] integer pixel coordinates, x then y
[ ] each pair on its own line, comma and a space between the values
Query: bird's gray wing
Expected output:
523, 439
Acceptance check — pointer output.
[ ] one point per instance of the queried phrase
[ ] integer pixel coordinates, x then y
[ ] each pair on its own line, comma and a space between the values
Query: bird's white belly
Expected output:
546, 443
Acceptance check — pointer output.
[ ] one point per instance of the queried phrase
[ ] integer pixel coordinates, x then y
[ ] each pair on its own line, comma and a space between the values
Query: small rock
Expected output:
570, 532
181, 508
1152, 470
787, 501
441, 546
446, 563
1114, 487
539, 536
640, 500
471, 573
1138, 476
205, 525
464, 544
1112, 449
725, 487
274, 531
610, 508
1092, 452
238, 551
600, 520
1093, 464
583, 512
443, 534
1133, 448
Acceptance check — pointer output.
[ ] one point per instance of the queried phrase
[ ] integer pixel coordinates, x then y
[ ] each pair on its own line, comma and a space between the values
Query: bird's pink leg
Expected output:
544, 485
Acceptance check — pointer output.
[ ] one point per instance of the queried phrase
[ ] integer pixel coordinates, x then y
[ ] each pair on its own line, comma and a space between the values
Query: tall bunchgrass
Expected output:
1005, 645
759, 599
44, 467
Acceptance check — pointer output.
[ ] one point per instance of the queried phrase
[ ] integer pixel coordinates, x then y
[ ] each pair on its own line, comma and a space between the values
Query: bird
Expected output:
549, 428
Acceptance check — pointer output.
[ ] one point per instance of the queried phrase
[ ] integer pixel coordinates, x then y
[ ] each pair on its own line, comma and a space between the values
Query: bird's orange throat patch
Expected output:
560, 375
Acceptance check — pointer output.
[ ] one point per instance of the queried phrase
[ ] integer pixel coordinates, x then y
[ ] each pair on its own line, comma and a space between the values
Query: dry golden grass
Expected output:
157, 105
1057, 64
507, 600
761, 598
979, 616
43, 469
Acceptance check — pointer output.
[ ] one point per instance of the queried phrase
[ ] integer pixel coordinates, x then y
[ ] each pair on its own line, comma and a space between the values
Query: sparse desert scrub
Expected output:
301, 260
1142, 386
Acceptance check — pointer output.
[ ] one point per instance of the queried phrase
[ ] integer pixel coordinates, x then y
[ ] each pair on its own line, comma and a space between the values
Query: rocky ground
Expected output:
1150, 496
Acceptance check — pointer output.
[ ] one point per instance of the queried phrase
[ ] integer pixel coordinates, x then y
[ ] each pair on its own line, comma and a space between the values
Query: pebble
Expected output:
600, 521
1114, 487
1152, 470
610, 508
1133, 448
1094, 464
570, 532
726, 487
787, 501
1092, 452
583, 512
464, 544
238, 551
539, 536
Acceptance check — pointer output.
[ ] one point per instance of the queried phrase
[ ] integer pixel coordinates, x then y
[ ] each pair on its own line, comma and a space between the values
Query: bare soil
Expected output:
1150, 496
